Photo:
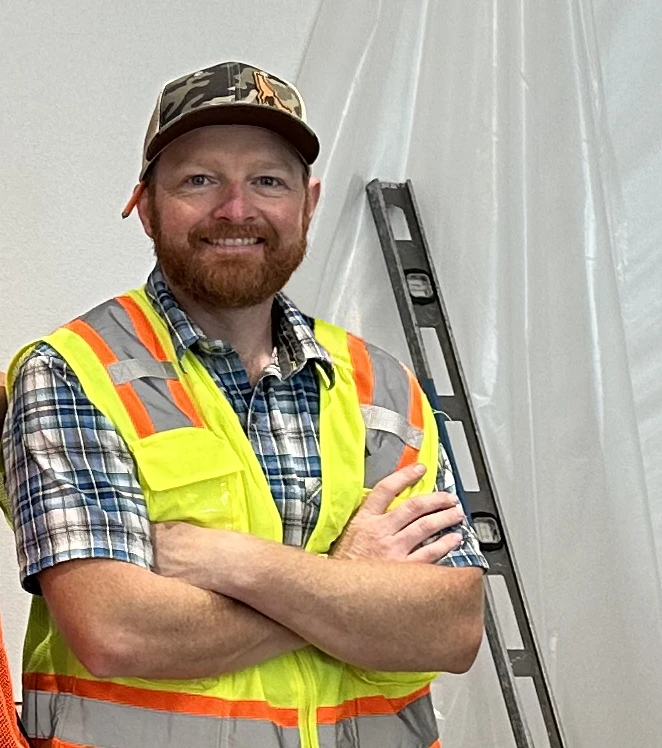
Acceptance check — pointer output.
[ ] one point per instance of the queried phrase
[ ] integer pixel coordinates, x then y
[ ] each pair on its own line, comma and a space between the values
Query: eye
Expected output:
198, 180
267, 181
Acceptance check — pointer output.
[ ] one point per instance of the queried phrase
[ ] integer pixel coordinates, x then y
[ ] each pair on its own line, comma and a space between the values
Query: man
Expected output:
199, 476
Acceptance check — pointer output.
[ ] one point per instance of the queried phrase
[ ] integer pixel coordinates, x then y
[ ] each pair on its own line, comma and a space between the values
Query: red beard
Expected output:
223, 278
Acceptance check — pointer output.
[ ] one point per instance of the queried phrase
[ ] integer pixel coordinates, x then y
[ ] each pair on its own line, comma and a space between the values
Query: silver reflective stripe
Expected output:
412, 727
384, 448
114, 325
376, 417
102, 724
132, 368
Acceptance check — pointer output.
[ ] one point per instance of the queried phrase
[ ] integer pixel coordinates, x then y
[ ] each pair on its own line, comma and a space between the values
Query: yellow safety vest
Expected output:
195, 464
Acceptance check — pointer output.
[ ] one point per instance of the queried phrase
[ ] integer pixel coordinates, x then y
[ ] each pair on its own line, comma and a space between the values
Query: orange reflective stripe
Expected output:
94, 340
137, 411
436, 744
367, 706
167, 701
150, 340
184, 403
415, 401
362, 366
129, 397
143, 328
409, 454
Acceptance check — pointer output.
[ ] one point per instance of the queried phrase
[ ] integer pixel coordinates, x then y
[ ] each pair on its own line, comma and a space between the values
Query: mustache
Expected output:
226, 230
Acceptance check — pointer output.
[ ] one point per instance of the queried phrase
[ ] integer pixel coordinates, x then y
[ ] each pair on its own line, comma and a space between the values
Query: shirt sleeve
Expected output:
70, 478
468, 553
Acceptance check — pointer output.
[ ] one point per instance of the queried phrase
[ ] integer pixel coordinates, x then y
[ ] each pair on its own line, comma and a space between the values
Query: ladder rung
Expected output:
451, 406
522, 663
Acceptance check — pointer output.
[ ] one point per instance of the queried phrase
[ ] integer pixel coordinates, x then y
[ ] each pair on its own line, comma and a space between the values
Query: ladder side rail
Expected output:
526, 661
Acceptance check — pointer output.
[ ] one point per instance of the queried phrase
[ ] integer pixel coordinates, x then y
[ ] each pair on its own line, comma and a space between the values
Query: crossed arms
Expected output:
223, 601
218, 601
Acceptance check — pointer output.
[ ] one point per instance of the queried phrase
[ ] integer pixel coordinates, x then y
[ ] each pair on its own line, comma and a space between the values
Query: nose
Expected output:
235, 204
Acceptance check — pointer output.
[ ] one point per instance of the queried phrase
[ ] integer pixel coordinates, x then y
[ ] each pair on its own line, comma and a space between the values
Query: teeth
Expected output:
233, 242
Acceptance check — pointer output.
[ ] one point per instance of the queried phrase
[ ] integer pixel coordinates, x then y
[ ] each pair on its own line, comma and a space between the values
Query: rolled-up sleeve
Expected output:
70, 478
468, 553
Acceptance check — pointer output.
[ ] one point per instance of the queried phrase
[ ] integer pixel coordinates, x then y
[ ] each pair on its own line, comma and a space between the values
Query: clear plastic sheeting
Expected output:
496, 112
629, 41
531, 132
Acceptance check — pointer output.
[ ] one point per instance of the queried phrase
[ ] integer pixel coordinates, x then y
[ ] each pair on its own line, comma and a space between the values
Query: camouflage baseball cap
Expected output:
230, 93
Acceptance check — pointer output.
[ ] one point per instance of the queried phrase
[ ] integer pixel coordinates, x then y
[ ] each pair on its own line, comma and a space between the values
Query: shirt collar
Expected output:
295, 338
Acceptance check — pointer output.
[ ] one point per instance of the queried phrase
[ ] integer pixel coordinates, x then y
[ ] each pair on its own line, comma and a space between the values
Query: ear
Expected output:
144, 212
314, 190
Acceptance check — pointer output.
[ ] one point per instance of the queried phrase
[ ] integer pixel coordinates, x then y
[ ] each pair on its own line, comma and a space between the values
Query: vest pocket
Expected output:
191, 475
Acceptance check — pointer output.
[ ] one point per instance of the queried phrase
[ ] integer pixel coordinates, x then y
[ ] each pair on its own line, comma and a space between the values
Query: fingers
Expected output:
382, 495
430, 554
429, 525
419, 506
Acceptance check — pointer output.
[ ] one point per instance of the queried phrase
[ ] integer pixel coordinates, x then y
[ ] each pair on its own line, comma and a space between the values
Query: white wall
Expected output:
79, 84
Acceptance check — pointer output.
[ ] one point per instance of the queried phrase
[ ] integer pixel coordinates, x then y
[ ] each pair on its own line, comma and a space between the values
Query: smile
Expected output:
233, 242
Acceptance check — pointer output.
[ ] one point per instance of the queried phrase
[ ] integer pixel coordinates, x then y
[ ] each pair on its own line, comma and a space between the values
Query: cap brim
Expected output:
289, 127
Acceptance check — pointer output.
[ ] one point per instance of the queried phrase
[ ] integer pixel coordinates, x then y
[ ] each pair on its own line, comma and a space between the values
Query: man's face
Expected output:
228, 210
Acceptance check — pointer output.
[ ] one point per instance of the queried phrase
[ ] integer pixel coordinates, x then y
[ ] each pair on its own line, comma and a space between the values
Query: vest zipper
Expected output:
308, 709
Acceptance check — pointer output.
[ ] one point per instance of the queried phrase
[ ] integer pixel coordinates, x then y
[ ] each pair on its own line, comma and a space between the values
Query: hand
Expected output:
375, 533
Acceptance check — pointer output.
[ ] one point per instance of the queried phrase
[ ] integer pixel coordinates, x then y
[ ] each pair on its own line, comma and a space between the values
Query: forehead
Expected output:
235, 143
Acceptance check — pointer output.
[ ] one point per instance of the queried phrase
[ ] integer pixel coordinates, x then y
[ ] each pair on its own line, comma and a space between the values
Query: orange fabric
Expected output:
94, 340
10, 735
149, 339
362, 365
184, 402
367, 705
409, 454
144, 330
162, 700
55, 743
134, 407
211, 706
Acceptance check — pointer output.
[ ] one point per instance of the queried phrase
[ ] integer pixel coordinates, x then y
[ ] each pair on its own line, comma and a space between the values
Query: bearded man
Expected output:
199, 476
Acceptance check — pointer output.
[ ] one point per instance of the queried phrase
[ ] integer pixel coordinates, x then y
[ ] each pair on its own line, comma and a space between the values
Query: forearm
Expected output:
376, 614
135, 623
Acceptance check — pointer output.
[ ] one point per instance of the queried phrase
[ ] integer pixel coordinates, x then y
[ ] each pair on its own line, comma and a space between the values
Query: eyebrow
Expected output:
274, 165
185, 165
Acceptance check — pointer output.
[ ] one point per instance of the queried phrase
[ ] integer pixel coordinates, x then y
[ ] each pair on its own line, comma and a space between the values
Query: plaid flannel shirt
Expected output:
71, 479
